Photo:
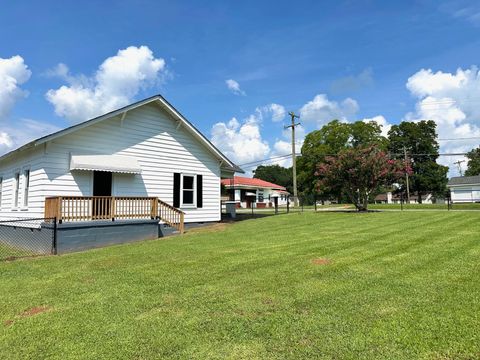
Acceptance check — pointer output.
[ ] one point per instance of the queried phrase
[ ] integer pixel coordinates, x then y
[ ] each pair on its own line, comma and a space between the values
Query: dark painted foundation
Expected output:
86, 235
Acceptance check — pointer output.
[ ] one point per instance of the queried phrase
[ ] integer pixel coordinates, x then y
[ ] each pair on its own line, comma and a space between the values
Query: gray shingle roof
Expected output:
464, 180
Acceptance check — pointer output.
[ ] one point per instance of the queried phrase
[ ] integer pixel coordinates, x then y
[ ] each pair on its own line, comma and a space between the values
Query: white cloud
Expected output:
322, 110
380, 120
242, 143
277, 111
21, 132
115, 84
234, 87
451, 100
6, 142
13, 73
284, 146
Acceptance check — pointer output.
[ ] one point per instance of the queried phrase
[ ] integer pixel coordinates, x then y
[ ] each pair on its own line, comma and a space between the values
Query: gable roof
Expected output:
244, 181
226, 164
464, 180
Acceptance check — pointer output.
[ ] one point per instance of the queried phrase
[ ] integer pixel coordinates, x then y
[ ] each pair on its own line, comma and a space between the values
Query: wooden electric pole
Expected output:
294, 160
406, 175
459, 165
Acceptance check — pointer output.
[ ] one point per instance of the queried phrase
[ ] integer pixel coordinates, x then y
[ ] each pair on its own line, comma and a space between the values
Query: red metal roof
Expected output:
244, 181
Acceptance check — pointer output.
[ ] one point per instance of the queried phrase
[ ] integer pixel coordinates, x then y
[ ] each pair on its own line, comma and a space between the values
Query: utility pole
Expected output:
406, 175
294, 160
459, 165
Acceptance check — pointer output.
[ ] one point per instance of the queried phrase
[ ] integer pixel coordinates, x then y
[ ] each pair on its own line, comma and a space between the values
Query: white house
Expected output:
464, 189
115, 165
248, 191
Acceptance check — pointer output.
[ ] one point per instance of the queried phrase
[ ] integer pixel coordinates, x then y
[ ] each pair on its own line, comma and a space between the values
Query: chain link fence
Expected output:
316, 203
27, 237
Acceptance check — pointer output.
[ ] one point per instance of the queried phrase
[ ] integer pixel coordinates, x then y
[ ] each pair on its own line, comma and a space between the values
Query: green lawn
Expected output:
385, 285
466, 206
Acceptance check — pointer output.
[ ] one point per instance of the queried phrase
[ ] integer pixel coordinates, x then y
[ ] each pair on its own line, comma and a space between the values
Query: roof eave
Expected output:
229, 165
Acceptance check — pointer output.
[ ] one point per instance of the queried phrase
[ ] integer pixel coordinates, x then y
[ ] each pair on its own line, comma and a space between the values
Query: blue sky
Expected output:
277, 52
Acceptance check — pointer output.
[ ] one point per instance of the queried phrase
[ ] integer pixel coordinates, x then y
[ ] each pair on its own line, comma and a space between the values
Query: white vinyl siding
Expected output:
148, 134
465, 193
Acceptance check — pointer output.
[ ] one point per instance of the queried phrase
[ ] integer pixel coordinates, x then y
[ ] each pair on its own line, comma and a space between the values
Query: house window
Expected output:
188, 190
260, 196
1, 188
16, 189
26, 186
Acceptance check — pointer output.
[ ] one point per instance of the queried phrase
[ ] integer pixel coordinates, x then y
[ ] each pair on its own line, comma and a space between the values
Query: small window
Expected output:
1, 188
16, 189
26, 186
260, 196
188, 190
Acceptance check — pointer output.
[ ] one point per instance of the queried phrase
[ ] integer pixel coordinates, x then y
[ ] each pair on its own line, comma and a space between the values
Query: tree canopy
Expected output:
359, 172
275, 174
473, 162
330, 140
419, 141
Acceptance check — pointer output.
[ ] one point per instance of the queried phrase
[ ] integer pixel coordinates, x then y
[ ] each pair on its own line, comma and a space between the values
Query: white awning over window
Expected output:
111, 163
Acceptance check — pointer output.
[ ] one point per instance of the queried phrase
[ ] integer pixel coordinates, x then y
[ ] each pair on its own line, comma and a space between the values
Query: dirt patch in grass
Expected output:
34, 311
321, 261
28, 313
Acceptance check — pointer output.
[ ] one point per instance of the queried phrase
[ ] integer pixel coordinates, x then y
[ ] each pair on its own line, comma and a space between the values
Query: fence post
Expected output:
315, 201
54, 239
288, 204
275, 201
401, 201
182, 223
59, 209
112, 208
302, 203
153, 208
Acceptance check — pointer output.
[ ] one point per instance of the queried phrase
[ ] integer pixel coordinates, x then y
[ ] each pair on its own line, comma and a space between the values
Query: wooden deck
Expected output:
91, 208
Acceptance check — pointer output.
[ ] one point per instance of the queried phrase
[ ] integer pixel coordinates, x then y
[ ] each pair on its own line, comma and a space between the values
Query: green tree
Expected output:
419, 140
275, 174
360, 173
473, 162
330, 140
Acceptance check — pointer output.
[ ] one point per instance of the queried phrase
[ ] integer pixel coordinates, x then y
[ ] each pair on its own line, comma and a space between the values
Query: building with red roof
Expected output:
248, 192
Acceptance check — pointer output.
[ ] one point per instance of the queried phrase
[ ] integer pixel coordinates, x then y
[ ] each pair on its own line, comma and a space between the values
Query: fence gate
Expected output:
27, 237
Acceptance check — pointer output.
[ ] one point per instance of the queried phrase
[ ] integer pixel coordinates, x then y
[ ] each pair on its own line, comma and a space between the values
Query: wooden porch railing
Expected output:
171, 216
88, 208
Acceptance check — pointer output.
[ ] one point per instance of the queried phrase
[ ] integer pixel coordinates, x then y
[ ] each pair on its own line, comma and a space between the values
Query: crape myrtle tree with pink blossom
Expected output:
360, 173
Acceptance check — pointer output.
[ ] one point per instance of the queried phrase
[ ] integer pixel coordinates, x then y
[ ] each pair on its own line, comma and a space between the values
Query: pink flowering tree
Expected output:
359, 173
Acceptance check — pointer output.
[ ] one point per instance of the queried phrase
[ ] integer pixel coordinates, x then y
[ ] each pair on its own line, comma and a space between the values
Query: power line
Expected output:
276, 158
465, 138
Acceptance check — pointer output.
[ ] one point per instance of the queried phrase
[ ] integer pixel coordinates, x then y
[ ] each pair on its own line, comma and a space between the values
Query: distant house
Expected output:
247, 191
464, 189
389, 198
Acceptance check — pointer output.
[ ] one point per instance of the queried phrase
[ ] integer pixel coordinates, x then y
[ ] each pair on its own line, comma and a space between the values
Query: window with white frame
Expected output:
26, 186
16, 189
188, 190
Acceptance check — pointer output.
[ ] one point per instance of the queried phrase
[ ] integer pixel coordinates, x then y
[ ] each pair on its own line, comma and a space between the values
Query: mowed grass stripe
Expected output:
397, 285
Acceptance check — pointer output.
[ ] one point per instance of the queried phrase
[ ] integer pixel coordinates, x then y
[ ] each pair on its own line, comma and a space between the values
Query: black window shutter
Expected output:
176, 190
199, 191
